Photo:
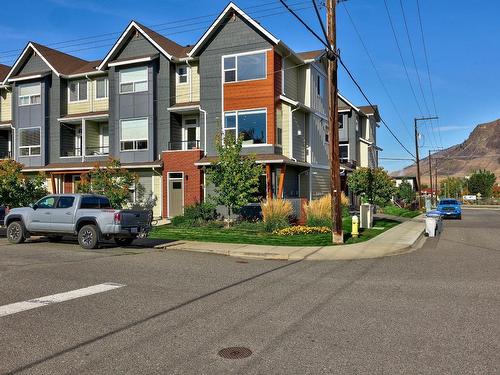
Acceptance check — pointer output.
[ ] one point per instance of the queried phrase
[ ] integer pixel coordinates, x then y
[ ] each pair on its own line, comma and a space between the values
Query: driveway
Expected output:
139, 310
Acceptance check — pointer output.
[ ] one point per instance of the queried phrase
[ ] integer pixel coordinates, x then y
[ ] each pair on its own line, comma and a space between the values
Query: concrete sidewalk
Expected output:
398, 240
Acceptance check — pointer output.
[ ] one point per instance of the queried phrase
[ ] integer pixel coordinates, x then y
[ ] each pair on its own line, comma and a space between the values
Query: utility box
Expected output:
366, 215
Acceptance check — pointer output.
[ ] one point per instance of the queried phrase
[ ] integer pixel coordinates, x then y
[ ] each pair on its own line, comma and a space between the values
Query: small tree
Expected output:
112, 181
482, 181
406, 193
17, 189
375, 186
452, 187
236, 178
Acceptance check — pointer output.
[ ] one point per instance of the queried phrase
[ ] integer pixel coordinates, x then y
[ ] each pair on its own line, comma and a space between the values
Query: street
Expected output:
433, 311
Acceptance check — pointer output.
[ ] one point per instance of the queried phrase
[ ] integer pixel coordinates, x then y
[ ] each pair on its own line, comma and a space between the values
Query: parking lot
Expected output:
139, 310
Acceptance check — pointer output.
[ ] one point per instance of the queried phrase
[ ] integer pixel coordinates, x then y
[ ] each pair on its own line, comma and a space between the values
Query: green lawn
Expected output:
398, 211
253, 233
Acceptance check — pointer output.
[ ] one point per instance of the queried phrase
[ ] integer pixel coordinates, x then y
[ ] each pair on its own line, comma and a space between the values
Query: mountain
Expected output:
480, 151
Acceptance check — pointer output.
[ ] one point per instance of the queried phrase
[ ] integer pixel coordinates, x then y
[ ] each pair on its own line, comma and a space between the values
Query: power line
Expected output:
428, 69
405, 126
416, 68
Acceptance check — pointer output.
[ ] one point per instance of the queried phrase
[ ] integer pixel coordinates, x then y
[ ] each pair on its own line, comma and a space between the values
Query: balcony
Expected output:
184, 145
5, 144
87, 140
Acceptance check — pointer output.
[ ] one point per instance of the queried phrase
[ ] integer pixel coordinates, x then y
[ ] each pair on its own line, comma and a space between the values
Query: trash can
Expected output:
433, 223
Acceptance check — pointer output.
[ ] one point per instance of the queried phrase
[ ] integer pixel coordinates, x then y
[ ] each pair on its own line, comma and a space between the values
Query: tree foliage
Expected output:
452, 187
482, 181
112, 181
406, 193
235, 178
17, 189
375, 186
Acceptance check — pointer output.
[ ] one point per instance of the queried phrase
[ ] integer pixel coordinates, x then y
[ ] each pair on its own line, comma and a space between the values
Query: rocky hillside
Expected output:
480, 150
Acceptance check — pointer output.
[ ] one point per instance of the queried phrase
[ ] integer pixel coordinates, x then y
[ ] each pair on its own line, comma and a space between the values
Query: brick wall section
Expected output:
183, 161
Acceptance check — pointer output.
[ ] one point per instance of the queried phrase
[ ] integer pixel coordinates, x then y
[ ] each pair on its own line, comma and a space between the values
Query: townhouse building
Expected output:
159, 107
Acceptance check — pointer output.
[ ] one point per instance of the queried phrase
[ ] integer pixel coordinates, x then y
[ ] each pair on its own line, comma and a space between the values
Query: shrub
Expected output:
196, 214
300, 229
276, 214
319, 211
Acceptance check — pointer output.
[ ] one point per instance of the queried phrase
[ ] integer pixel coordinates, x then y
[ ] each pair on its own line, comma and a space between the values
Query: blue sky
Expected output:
461, 37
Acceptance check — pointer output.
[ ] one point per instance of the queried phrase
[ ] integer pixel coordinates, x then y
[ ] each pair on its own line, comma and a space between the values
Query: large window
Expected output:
101, 88
251, 125
134, 134
134, 79
29, 142
245, 67
344, 153
29, 94
78, 91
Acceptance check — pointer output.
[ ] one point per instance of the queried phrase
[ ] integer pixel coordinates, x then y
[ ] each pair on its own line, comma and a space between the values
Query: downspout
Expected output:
204, 131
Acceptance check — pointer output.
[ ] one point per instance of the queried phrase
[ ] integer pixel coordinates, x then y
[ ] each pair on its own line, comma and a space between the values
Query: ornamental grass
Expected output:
276, 214
319, 211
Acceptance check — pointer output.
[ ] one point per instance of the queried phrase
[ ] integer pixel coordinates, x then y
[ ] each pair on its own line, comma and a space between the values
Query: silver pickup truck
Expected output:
89, 217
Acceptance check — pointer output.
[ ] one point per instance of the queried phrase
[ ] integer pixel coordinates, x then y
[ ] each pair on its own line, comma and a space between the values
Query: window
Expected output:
47, 202
320, 85
101, 88
134, 80
30, 94
245, 67
29, 142
78, 91
90, 202
104, 202
326, 131
341, 120
251, 125
182, 74
344, 153
65, 202
134, 134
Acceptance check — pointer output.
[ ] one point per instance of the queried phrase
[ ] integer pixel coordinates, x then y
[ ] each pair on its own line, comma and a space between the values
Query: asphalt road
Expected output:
433, 311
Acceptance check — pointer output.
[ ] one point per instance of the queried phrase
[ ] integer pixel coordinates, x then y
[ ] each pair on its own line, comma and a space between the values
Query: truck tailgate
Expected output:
133, 218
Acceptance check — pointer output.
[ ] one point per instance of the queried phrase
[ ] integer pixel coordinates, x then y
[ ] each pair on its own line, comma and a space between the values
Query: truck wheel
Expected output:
55, 238
88, 237
124, 241
16, 233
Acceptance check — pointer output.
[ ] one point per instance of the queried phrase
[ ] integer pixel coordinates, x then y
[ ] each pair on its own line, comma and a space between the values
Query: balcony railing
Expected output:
97, 151
183, 145
71, 152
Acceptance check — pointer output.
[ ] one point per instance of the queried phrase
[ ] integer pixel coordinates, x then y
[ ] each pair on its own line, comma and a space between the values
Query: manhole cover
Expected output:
236, 352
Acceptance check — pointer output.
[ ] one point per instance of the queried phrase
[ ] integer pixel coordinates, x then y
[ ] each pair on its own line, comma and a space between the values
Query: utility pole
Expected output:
417, 158
430, 177
333, 129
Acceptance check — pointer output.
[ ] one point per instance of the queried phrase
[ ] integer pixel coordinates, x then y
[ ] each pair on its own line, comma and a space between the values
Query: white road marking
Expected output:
14, 308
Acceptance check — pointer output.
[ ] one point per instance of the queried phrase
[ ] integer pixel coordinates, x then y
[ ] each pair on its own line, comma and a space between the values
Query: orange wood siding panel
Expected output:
255, 94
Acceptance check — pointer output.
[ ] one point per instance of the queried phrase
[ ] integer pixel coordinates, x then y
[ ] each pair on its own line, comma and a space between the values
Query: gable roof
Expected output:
4, 70
369, 110
231, 7
166, 46
62, 64
311, 55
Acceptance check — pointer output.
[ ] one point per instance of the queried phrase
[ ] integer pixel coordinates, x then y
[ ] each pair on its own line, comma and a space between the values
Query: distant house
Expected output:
411, 179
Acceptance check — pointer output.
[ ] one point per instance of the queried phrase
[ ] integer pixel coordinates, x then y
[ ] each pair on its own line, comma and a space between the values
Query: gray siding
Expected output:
136, 46
318, 103
34, 64
320, 182
298, 135
231, 37
57, 92
291, 187
319, 148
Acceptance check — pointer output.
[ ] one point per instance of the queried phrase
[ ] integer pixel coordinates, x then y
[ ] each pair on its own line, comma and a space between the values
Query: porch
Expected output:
5, 142
84, 138
185, 128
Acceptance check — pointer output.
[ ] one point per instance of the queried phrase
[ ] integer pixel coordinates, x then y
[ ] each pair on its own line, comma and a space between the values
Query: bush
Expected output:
276, 214
196, 214
398, 211
319, 211
300, 229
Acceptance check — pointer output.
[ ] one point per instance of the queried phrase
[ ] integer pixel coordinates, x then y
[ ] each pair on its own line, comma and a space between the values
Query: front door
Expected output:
190, 133
175, 194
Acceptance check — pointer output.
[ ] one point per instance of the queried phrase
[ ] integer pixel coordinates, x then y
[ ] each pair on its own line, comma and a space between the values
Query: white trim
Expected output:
19, 59
59, 169
236, 128
135, 140
236, 55
348, 102
168, 190
133, 24
231, 6
132, 61
185, 128
26, 78
348, 151
185, 108
178, 76
70, 119
365, 141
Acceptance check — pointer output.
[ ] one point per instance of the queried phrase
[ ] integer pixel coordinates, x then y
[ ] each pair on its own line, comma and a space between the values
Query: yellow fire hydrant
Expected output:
355, 227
